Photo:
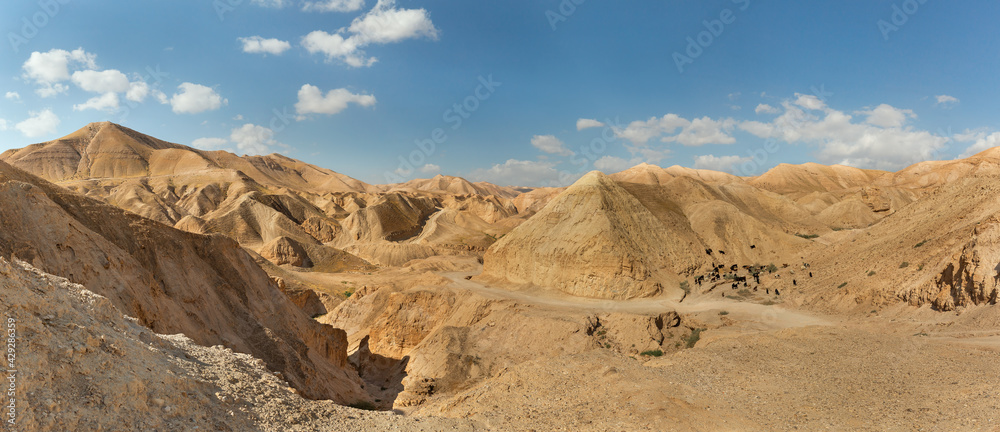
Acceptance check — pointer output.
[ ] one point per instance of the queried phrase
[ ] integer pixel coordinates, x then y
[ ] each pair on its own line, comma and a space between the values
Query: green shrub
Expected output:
693, 338
807, 236
364, 405
920, 267
348, 293
724, 313
919, 244
653, 353
686, 287
771, 268
871, 273
842, 285
904, 264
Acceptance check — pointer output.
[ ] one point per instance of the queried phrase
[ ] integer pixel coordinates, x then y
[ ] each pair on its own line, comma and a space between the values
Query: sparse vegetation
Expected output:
693, 338
920, 267
919, 244
871, 273
653, 353
842, 285
364, 405
723, 312
807, 236
686, 287
771, 268
349, 293
744, 292
769, 303
904, 264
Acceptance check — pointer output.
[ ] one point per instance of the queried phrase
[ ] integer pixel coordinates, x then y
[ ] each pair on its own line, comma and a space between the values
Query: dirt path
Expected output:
772, 317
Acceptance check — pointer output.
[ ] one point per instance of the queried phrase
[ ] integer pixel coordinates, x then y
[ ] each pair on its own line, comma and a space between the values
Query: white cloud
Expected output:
253, 139
430, 169
312, 101
333, 6
137, 91
209, 143
40, 123
3, 125
611, 164
982, 143
887, 116
49, 69
105, 102
239, 117
582, 124
719, 163
196, 98
946, 101
382, 25
518, 173
640, 132
107, 81
810, 102
13, 96
766, 109
734, 96
550, 144
259, 45
970, 135
883, 145
703, 131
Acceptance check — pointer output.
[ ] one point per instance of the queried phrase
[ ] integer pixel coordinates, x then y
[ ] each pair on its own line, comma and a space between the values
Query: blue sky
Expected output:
545, 90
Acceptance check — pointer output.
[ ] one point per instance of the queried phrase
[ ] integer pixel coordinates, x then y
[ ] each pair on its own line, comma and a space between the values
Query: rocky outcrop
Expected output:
973, 277
284, 250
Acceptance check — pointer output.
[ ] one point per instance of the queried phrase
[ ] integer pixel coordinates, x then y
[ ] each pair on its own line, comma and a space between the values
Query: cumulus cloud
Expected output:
881, 141
887, 116
946, 101
430, 169
719, 163
550, 144
611, 164
105, 102
39, 124
518, 173
312, 101
49, 69
695, 132
810, 102
253, 139
766, 109
333, 6
196, 98
582, 124
703, 131
384, 24
259, 45
983, 142
106, 81
12, 96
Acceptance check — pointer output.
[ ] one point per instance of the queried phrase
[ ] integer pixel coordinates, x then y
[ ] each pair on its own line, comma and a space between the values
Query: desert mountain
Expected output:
206, 287
455, 186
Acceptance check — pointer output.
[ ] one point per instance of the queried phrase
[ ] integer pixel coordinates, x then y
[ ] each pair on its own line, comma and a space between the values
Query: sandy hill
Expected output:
206, 287
107, 150
455, 186
813, 177
593, 240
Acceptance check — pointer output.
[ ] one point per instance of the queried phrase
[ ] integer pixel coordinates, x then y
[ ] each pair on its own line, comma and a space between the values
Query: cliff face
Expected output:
206, 287
973, 276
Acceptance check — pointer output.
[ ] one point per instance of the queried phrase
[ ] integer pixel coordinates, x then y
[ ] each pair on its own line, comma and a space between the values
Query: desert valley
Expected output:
156, 286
